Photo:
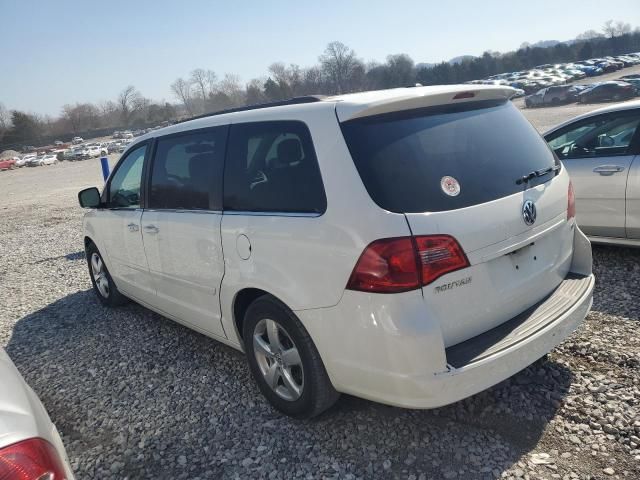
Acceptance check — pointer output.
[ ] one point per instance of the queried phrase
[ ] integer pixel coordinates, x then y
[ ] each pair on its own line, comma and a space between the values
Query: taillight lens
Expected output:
33, 459
386, 266
393, 265
439, 254
571, 202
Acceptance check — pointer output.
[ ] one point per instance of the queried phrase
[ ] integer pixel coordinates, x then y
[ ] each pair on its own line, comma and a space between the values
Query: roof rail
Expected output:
257, 106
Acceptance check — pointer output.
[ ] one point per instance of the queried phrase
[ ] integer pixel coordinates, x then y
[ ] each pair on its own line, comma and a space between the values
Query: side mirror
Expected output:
89, 198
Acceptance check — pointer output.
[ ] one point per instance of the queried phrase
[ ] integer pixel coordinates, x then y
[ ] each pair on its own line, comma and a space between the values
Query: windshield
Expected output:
407, 159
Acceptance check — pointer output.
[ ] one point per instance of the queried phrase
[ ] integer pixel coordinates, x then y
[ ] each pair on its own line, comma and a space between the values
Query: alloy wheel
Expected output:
99, 275
278, 359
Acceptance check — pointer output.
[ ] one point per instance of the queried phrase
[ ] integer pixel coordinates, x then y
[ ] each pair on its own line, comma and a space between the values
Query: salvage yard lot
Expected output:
138, 396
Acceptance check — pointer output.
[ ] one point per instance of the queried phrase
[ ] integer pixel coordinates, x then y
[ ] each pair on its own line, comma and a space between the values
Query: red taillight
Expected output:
33, 459
393, 265
571, 202
386, 266
439, 254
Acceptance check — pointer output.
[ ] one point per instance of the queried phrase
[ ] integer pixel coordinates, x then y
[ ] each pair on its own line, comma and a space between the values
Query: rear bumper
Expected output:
382, 348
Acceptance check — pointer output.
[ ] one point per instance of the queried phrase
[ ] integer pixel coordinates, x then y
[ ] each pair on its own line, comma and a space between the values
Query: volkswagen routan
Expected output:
411, 246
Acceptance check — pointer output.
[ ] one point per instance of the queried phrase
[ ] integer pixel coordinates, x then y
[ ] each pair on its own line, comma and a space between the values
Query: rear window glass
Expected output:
406, 159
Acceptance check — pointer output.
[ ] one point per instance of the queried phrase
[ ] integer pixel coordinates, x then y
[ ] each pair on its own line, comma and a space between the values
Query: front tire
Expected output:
284, 360
103, 285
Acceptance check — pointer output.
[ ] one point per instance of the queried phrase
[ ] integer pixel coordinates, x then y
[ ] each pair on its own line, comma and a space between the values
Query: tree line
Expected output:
338, 70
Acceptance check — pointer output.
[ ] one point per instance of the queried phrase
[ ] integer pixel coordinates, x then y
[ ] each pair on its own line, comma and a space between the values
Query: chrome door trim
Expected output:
273, 214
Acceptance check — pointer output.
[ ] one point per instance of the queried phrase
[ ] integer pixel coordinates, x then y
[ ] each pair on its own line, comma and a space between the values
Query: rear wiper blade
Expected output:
537, 173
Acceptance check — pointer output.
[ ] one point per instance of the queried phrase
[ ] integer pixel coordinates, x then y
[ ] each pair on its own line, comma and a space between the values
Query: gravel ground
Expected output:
138, 396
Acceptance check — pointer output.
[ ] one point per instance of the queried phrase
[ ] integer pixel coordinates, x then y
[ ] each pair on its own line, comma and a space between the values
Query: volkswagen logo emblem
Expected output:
529, 212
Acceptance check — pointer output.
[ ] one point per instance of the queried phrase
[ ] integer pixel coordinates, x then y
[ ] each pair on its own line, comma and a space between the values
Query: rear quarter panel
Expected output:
306, 261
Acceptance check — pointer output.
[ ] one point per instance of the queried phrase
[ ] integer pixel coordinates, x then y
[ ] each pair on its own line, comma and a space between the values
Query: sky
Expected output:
67, 51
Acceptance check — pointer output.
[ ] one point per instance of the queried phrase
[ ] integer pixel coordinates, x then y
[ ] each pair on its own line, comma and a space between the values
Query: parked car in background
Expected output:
122, 146
636, 84
363, 248
30, 445
601, 151
81, 153
94, 150
58, 143
7, 163
69, 154
49, 159
113, 147
24, 160
607, 92
77, 140
555, 95
35, 161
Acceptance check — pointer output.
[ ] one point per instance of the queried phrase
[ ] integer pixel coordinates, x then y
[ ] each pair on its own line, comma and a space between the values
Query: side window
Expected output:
605, 135
272, 167
187, 171
124, 187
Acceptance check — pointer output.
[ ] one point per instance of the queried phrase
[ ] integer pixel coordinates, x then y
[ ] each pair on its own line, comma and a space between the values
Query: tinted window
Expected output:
272, 167
403, 158
124, 188
604, 135
187, 171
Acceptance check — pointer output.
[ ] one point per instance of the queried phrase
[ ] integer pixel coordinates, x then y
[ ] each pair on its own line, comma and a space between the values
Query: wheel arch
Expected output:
241, 302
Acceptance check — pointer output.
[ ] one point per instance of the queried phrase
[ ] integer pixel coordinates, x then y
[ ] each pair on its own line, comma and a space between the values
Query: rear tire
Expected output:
103, 285
284, 360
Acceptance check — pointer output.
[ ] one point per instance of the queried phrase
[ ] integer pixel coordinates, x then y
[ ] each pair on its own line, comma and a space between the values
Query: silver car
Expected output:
30, 446
601, 151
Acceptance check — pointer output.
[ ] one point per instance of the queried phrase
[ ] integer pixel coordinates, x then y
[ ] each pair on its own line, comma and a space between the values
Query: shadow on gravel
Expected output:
617, 273
140, 396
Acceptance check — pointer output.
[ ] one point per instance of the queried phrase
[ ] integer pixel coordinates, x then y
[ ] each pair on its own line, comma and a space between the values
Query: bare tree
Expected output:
609, 29
110, 113
339, 63
5, 120
129, 103
182, 90
622, 28
81, 116
588, 35
230, 87
204, 82
5, 117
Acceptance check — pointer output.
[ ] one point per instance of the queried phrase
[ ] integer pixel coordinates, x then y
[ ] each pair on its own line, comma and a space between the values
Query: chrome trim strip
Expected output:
273, 214
178, 210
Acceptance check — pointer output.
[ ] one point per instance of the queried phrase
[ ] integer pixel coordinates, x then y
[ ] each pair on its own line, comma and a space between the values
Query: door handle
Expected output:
608, 169
151, 229
133, 227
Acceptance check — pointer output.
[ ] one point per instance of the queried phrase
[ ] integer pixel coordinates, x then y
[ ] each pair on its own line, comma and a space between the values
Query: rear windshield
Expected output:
476, 151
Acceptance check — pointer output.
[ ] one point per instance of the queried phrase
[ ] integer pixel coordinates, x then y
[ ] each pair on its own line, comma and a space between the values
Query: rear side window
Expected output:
272, 167
187, 171
408, 159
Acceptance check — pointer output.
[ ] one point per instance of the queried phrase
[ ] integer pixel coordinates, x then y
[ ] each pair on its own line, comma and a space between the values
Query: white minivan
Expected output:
411, 246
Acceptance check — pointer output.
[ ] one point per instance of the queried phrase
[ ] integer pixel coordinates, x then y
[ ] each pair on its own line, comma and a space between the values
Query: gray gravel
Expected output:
138, 396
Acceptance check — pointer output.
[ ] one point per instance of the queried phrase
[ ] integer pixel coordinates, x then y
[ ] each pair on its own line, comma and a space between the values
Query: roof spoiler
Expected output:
387, 101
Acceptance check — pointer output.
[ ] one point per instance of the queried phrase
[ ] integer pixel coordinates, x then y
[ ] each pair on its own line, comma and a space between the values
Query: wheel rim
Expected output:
99, 275
278, 359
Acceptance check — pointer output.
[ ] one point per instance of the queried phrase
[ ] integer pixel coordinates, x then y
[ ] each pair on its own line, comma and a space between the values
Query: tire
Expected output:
313, 392
103, 285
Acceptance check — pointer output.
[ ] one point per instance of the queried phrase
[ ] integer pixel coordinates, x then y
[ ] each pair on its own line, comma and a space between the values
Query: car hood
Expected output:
21, 413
